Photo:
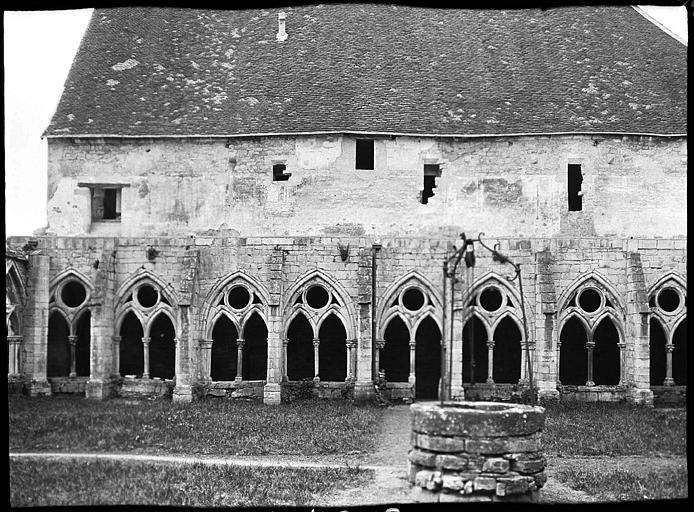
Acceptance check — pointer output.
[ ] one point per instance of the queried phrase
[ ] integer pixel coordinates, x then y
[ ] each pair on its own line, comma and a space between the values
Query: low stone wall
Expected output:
333, 390
494, 392
246, 389
145, 387
399, 392
593, 393
669, 396
476, 451
75, 385
15, 385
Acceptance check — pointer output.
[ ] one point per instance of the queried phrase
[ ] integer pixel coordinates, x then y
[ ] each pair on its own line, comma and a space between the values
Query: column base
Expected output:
458, 393
100, 389
364, 391
38, 388
182, 393
546, 396
272, 393
640, 396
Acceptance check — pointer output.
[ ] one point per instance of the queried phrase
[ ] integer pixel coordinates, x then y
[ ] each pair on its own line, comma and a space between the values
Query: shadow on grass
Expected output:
67, 483
219, 427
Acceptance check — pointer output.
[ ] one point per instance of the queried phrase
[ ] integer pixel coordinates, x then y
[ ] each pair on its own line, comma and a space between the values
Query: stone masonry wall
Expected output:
503, 186
277, 264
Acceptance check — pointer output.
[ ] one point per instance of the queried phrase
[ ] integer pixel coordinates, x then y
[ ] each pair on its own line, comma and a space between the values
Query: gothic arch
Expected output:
386, 311
488, 278
592, 277
315, 316
71, 273
514, 317
669, 319
127, 300
142, 274
72, 314
14, 284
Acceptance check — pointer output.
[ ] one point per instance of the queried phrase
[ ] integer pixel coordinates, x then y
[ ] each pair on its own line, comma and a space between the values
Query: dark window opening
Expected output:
427, 359
131, 348
58, 349
589, 300
300, 349
573, 354
106, 203
679, 354
395, 354
575, 193
279, 172
413, 299
491, 299
657, 360
365, 154
317, 297
162, 348
668, 300
431, 172
223, 360
255, 349
507, 353
82, 350
73, 294
475, 344
147, 296
606, 354
332, 352
239, 297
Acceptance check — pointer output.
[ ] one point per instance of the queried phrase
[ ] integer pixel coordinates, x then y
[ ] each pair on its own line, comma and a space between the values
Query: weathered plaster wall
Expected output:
504, 186
192, 266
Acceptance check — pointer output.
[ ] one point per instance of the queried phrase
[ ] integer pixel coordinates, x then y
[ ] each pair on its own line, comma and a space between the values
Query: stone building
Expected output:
242, 201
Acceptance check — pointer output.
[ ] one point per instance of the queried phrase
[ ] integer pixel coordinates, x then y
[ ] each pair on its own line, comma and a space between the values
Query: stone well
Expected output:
476, 451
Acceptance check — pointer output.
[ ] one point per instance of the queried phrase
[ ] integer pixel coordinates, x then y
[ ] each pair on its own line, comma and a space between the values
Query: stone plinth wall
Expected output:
400, 392
68, 384
476, 451
231, 389
145, 387
593, 393
669, 396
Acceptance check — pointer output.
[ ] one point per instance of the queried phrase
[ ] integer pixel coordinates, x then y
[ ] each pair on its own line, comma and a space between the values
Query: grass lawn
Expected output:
613, 429
216, 427
46, 483
625, 485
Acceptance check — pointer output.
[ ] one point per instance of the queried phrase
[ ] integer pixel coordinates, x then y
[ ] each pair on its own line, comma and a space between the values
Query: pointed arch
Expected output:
491, 277
64, 316
293, 316
488, 328
573, 314
121, 316
319, 276
17, 286
167, 290
71, 273
615, 322
662, 281
421, 319
586, 278
514, 318
155, 316
213, 321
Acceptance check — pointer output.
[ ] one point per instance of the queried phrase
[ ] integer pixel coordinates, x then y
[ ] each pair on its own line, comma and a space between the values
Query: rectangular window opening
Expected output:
279, 172
365, 154
431, 172
106, 204
574, 188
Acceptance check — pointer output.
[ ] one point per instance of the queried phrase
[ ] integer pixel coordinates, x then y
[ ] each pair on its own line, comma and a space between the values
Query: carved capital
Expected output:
240, 342
285, 342
669, 347
205, 344
316, 342
116, 339
413, 344
72, 339
590, 344
146, 340
490, 344
380, 344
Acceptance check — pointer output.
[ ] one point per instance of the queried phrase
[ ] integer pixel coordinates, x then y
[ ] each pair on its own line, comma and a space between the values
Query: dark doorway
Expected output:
575, 179
82, 350
656, 351
131, 349
300, 349
332, 353
394, 358
58, 350
255, 349
679, 354
427, 361
224, 350
475, 331
162, 348
573, 354
606, 354
507, 352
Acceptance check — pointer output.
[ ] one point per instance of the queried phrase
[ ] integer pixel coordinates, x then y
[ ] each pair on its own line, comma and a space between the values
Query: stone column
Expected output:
72, 340
490, 362
411, 378
316, 369
558, 361
379, 345
351, 360
177, 359
205, 358
145, 343
669, 381
590, 345
116, 353
285, 344
239, 359
622, 356
524, 365
14, 345
183, 390
276, 358
36, 325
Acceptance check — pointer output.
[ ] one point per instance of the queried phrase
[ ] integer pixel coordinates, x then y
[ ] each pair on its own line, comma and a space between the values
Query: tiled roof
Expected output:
373, 68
